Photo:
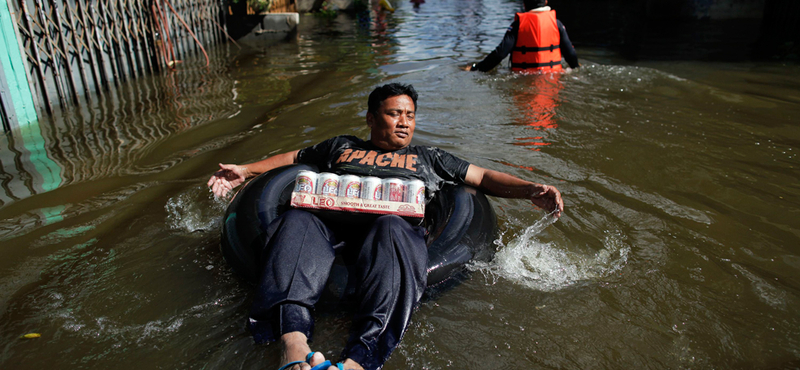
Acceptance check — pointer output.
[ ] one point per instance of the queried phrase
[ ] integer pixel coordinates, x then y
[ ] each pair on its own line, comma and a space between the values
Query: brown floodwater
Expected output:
679, 247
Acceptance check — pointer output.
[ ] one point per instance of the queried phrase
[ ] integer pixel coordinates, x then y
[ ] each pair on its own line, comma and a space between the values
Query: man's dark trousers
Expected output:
389, 265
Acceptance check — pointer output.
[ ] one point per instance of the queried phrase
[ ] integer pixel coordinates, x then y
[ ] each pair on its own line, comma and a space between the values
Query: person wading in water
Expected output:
536, 41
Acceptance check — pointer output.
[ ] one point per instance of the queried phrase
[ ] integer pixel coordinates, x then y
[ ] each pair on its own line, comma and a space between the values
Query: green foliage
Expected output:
257, 5
326, 11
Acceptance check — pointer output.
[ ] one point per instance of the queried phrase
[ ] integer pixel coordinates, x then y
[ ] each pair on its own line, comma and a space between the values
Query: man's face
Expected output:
393, 124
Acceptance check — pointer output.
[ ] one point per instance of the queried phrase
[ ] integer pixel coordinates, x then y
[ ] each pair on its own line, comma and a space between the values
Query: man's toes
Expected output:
316, 359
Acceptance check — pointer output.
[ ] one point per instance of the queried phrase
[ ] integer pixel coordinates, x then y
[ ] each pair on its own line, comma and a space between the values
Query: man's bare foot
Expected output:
295, 348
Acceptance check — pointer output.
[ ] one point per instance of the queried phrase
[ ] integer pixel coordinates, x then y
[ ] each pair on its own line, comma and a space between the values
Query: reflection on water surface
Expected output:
677, 248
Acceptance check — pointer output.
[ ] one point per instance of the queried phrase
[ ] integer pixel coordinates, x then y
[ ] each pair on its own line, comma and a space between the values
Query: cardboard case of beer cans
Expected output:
350, 193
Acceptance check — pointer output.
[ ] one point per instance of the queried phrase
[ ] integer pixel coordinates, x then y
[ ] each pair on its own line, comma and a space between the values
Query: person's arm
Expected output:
500, 52
567, 50
230, 176
507, 186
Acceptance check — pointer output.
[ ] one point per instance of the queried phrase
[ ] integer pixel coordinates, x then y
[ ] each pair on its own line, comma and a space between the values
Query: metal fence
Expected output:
74, 49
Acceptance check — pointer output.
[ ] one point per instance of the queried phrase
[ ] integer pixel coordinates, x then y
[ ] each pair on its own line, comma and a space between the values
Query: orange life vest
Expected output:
538, 44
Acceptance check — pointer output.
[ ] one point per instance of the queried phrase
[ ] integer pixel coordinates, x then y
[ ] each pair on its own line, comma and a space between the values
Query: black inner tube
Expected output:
461, 226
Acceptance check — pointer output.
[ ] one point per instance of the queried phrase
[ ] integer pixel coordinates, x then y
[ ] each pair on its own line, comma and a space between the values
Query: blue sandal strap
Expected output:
322, 366
340, 365
290, 364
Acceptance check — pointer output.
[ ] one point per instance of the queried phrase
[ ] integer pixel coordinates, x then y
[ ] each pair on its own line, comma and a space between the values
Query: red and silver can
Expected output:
306, 182
371, 188
328, 184
349, 186
394, 190
415, 191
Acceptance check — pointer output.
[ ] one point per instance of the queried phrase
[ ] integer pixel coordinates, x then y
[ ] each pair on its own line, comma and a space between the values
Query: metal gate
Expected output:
73, 49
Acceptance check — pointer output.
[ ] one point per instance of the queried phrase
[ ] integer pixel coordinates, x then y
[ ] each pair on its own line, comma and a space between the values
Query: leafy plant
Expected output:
327, 10
257, 5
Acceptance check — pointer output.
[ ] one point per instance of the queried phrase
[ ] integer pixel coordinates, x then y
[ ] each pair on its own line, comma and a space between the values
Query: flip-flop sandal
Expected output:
321, 366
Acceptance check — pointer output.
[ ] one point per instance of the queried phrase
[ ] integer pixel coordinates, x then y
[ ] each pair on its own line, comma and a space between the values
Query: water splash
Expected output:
545, 266
195, 209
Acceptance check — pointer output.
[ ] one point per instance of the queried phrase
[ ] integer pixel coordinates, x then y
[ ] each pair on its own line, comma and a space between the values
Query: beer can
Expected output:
350, 186
415, 191
393, 190
328, 184
371, 188
306, 182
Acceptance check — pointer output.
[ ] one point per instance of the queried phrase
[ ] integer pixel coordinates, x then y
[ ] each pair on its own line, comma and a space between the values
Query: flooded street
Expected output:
679, 247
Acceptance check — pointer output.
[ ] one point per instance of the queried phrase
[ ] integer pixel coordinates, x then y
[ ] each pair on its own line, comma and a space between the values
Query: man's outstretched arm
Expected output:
230, 176
503, 185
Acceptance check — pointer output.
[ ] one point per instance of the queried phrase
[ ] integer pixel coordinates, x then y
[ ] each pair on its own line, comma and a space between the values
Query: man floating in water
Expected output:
536, 41
390, 254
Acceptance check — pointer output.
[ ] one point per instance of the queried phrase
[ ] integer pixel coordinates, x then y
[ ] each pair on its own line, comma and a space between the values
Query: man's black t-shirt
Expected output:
351, 155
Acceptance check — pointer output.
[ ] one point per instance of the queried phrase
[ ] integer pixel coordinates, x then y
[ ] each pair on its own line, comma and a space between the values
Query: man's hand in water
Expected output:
504, 185
549, 198
228, 177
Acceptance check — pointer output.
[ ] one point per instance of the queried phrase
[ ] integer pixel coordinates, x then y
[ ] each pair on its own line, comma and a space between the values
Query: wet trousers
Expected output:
390, 267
